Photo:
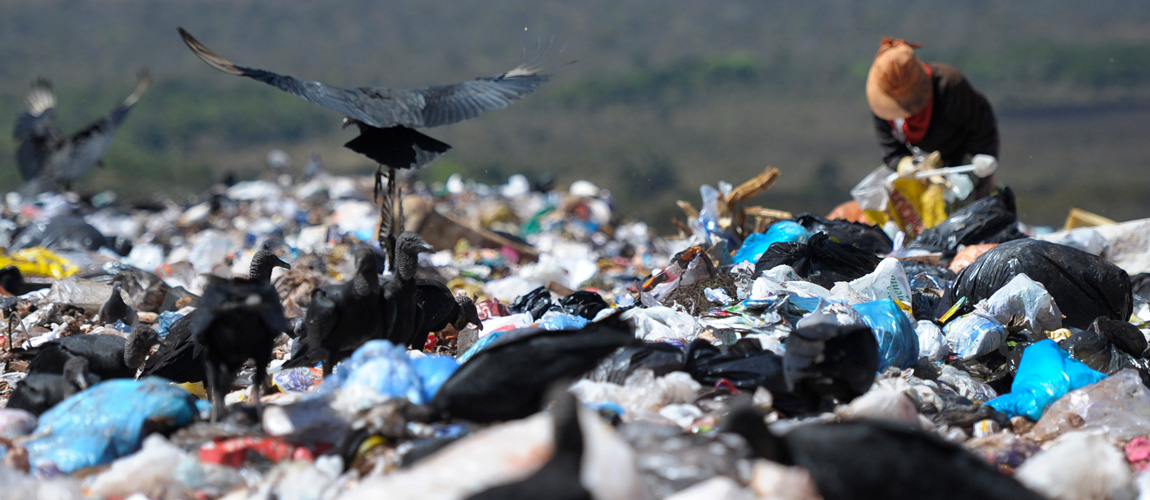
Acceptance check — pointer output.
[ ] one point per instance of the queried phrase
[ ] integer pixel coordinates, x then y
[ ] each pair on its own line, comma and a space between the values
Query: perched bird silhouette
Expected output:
107, 355
180, 359
509, 379
436, 307
115, 309
399, 299
39, 392
558, 478
241, 321
12, 281
341, 317
46, 157
862, 459
387, 117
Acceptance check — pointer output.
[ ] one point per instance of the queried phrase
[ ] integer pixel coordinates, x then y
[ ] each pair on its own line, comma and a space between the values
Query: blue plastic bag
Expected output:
973, 335
897, 340
433, 371
757, 243
106, 422
480, 345
561, 321
1045, 374
386, 369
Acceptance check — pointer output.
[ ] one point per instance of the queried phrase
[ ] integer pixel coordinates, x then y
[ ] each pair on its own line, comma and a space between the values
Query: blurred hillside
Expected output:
665, 96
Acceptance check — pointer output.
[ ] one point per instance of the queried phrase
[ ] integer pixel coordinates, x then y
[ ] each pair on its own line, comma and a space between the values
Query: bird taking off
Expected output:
46, 157
386, 117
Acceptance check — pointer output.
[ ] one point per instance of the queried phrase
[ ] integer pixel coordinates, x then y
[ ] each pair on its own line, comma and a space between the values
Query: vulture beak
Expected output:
347, 122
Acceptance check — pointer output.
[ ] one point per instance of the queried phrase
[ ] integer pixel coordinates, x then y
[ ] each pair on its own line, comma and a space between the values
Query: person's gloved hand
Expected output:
906, 166
984, 165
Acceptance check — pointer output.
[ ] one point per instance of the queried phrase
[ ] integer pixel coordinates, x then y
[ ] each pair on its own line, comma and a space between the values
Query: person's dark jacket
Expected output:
962, 123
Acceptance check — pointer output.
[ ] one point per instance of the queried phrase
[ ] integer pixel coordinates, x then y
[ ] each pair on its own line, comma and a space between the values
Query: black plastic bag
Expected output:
929, 295
990, 220
865, 236
63, 232
708, 365
830, 359
583, 303
1083, 285
536, 302
659, 357
820, 260
1108, 346
509, 379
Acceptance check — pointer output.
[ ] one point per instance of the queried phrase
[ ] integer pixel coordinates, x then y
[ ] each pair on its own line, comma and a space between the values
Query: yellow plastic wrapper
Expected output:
196, 388
38, 261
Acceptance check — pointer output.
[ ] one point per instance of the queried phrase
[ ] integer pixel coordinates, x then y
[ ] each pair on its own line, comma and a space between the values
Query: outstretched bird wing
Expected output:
89, 145
383, 107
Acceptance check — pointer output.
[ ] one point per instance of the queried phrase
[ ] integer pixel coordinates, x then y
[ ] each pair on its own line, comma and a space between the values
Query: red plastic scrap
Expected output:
724, 384
431, 342
233, 452
491, 308
1138, 453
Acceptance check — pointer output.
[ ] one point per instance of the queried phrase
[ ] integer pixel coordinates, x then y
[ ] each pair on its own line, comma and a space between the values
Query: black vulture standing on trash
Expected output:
115, 309
39, 392
436, 307
399, 295
341, 317
46, 157
241, 321
108, 355
872, 459
387, 117
179, 358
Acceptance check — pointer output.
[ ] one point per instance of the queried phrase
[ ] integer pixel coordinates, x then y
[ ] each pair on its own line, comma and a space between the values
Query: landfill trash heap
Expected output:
533, 343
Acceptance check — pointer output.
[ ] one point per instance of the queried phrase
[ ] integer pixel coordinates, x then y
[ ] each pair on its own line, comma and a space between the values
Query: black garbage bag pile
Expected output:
820, 260
1085, 286
992, 219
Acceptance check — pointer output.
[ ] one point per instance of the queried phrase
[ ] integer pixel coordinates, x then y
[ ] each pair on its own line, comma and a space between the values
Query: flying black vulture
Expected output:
108, 356
241, 321
115, 309
341, 317
49, 158
39, 392
872, 459
558, 478
387, 118
399, 295
179, 358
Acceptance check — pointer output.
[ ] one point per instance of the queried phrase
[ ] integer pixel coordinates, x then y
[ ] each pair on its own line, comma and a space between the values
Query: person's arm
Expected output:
892, 149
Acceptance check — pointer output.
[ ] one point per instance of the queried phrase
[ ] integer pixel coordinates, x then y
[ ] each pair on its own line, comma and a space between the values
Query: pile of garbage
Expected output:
757, 354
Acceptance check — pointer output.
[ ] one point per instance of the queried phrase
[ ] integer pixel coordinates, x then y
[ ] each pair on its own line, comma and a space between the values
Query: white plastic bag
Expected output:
1026, 302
